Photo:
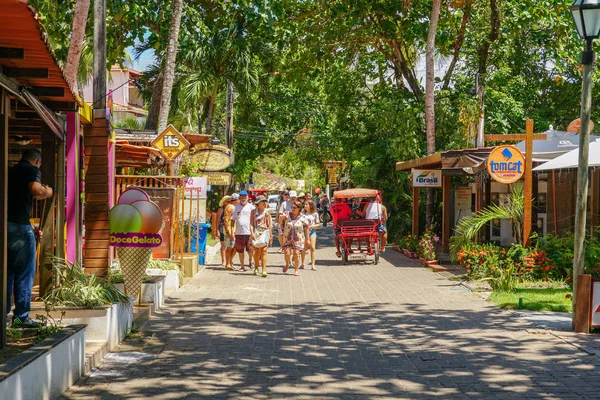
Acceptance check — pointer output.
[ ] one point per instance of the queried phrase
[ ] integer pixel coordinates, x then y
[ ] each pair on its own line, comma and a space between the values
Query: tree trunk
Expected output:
152, 119
169, 69
458, 44
483, 53
429, 95
209, 114
199, 116
82, 9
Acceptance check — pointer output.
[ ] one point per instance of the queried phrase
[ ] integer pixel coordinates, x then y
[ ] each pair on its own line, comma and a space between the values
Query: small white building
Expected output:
127, 101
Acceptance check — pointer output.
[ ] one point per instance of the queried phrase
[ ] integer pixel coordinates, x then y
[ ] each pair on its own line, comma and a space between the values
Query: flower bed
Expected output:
550, 259
47, 369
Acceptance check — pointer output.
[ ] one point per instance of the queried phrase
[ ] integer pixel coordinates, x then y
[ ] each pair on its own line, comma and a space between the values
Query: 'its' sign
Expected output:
170, 143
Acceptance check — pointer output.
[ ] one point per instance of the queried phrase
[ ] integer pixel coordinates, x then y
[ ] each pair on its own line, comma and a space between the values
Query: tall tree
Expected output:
429, 94
169, 69
82, 8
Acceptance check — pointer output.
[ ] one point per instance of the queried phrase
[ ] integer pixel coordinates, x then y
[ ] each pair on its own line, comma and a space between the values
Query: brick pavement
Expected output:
391, 331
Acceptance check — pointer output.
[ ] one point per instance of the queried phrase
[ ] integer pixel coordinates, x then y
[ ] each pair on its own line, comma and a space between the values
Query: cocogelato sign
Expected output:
136, 221
506, 164
427, 178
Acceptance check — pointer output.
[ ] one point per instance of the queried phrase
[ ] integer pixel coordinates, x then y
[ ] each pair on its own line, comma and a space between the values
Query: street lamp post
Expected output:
586, 15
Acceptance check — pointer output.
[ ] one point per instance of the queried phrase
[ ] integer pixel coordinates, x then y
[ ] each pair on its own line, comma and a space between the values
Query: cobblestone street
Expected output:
388, 331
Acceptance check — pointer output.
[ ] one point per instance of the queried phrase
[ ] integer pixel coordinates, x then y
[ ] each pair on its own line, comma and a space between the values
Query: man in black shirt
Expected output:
24, 184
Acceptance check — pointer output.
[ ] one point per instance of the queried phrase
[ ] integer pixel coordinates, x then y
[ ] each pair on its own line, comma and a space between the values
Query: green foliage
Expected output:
76, 288
129, 123
428, 245
468, 227
49, 326
536, 299
166, 265
409, 242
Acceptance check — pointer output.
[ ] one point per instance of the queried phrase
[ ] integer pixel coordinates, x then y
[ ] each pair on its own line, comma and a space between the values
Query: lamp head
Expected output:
586, 15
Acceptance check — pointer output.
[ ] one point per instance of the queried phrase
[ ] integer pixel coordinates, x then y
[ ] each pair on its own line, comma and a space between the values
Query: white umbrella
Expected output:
570, 160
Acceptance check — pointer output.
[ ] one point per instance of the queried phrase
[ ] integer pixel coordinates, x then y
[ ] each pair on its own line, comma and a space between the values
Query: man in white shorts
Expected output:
243, 217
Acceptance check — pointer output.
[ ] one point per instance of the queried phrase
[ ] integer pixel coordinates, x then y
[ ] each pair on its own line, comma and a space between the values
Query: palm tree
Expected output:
169, 70
226, 55
82, 8
429, 94
512, 210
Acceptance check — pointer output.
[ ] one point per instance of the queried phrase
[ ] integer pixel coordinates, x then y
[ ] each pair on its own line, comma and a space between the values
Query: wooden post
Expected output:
415, 212
73, 190
97, 182
528, 191
581, 307
48, 171
446, 193
4, 113
60, 199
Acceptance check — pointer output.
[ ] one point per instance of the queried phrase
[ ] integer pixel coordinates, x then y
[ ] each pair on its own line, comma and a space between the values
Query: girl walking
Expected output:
313, 221
295, 236
262, 226
221, 218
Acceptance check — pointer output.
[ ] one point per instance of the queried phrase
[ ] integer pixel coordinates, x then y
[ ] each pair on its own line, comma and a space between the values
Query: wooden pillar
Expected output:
581, 307
446, 193
4, 113
415, 212
73, 254
47, 221
487, 201
528, 181
97, 181
535, 192
594, 197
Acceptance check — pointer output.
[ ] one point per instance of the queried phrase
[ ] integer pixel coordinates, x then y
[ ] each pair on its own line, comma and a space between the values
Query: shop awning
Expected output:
30, 71
452, 162
556, 144
570, 160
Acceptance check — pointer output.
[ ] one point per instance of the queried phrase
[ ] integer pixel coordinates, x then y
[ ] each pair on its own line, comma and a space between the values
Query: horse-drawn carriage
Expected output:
349, 211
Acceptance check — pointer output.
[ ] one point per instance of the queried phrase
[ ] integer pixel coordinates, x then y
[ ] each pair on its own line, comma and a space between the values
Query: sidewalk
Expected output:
360, 331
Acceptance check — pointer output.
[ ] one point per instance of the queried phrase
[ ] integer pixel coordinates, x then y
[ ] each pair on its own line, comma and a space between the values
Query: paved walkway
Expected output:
395, 330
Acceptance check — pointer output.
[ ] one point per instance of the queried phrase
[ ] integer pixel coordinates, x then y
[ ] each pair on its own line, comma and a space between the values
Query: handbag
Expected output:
262, 240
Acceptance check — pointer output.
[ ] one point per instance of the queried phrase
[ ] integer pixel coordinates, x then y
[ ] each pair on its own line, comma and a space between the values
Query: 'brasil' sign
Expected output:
506, 164
427, 177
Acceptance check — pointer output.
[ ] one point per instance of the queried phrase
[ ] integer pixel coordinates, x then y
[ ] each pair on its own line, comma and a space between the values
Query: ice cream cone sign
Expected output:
134, 229
135, 221
575, 126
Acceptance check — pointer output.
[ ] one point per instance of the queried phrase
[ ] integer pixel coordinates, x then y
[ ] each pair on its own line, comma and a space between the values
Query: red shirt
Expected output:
340, 211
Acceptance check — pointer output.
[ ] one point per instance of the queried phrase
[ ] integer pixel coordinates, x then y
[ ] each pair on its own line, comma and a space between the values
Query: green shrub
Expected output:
428, 245
166, 265
76, 288
409, 242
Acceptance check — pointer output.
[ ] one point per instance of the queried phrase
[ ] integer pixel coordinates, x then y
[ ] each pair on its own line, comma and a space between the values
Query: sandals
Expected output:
285, 269
264, 274
296, 273
302, 266
338, 254
313, 268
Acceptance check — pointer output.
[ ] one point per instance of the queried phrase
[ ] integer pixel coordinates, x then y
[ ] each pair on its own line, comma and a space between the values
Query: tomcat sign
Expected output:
427, 177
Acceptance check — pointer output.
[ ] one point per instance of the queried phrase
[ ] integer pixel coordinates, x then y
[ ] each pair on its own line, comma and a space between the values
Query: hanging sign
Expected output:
170, 143
211, 158
463, 198
506, 164
195, 187
427, 177
219, 178
332, 173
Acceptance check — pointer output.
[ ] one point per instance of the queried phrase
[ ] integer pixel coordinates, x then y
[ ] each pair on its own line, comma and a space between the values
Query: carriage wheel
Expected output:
376, 253
344, 257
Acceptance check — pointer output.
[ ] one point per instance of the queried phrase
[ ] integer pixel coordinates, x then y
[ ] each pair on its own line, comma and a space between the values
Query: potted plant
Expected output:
428, 247
80, 298
166, 268
410, 246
